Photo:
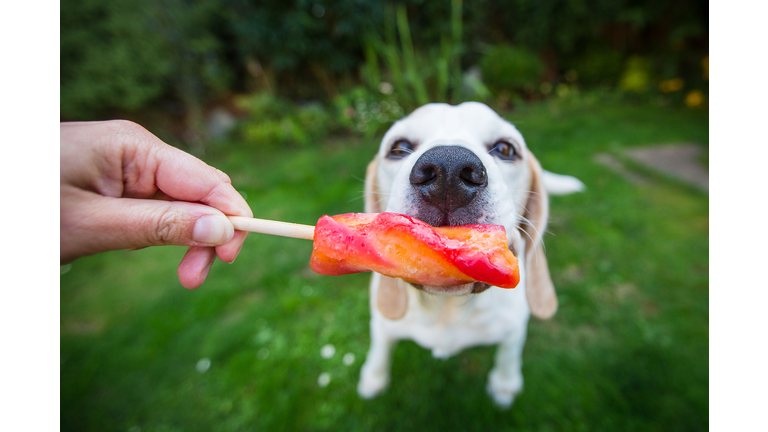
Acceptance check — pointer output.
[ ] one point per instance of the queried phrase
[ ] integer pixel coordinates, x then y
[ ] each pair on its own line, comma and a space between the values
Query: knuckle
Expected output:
223, 177
128, 132
168, 226
127, 126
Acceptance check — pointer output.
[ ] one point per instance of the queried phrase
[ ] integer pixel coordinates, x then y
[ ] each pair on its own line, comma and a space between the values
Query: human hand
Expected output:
123, 188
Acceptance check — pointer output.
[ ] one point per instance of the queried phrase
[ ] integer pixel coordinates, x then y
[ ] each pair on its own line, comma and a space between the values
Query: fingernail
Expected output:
213, 230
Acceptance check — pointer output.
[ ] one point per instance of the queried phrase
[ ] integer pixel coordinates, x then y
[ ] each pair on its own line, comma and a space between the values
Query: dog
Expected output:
459, 165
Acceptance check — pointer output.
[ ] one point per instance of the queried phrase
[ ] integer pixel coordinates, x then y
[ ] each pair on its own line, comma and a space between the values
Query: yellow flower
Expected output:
694, 98
671, 85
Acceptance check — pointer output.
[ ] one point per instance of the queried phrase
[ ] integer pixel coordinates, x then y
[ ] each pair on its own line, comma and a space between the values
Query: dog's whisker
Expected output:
526, 233
361, 196
524, 190
538, 234
521, 218
363, 193
536, 257
532, 225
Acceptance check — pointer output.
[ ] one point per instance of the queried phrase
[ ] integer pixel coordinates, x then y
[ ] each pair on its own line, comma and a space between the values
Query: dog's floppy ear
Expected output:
371, 188
539, 287
391, 298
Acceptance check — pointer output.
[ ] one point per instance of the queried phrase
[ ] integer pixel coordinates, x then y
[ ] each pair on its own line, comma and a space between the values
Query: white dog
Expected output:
458, 165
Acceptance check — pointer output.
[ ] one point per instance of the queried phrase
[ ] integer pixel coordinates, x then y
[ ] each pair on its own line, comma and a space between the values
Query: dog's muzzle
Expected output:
447, 179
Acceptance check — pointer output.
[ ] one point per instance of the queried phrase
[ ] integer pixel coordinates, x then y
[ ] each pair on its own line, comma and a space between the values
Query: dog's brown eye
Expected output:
504, 150
400, 149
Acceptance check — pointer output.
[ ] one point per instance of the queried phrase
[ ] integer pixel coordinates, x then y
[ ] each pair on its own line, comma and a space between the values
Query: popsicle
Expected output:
401, 246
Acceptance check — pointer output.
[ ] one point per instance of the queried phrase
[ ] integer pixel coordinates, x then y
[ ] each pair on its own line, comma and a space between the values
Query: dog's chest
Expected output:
447, 325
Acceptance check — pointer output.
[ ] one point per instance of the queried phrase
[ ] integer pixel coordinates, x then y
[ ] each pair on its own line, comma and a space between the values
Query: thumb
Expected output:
106, 223
156, 223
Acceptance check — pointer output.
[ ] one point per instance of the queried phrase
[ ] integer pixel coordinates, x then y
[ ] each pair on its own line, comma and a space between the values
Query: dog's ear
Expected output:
371, 188
539, 287
391, 297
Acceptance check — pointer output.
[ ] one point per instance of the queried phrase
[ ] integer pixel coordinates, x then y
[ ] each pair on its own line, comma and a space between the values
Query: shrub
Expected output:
637, 75
176, 55
125, 55
368, 111
276, 121
511, 69
598, 66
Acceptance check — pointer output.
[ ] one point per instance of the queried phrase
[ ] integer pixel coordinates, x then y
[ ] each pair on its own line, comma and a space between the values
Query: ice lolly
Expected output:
401, 246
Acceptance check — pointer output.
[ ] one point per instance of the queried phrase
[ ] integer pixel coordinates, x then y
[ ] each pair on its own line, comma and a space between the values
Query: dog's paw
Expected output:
371, 384
503, 389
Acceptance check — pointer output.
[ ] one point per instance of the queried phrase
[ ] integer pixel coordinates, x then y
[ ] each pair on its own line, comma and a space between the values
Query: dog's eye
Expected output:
504, 150
400, 149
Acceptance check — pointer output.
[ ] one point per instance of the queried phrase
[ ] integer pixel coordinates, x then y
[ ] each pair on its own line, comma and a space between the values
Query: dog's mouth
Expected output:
469, 288
442, 219
438, 218
456, 290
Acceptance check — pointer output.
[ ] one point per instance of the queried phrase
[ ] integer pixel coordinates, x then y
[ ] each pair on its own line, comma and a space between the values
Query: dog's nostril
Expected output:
424, 175
472, 176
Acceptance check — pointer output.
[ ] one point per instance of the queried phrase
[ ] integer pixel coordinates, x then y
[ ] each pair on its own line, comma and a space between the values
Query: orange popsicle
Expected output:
400, 246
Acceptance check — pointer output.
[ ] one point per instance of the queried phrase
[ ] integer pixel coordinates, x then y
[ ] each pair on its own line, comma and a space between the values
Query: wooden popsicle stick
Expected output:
264, 226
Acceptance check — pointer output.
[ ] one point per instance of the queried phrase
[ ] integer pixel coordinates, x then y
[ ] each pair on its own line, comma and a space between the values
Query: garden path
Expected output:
680, 161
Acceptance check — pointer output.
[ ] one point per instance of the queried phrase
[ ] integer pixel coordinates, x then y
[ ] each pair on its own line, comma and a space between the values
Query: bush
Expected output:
637, 75
121, 56
125, 55
367, 111
276, 121
511, 69
598, 66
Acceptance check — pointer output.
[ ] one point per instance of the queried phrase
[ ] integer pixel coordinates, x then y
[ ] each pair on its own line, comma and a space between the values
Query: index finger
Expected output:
187, 178
149, 163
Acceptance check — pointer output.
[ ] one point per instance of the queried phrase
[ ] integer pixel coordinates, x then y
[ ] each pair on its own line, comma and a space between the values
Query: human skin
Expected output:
123, 188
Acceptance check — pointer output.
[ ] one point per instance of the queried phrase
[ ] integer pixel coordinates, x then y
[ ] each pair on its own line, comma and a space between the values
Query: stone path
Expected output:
680, 161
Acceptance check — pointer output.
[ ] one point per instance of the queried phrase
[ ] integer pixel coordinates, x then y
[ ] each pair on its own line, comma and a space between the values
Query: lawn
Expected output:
627, 350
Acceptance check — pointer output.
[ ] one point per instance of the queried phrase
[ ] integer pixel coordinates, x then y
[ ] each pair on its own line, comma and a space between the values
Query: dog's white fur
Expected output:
448, 320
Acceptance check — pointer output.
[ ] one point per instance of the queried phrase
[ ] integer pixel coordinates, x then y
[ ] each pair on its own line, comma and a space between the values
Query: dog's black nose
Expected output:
448, 177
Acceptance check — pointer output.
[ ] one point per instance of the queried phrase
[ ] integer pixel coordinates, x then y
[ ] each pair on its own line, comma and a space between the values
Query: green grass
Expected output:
627, 350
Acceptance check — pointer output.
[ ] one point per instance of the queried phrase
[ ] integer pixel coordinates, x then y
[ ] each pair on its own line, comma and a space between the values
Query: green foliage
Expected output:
368, 111
110, 58
637, 75
511, 69
275, 121
176, 56
411, 73
294, 34
598, 66
627, 349
419, 75
125, 55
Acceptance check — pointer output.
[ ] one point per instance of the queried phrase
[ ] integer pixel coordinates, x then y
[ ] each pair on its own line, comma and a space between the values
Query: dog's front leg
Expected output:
374, 375
505, 380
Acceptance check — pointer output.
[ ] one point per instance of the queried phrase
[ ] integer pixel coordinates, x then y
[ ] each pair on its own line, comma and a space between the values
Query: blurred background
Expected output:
294, 71
291, 98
